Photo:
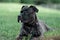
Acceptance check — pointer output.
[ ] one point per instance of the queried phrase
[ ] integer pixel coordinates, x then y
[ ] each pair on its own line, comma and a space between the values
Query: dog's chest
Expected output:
30, 27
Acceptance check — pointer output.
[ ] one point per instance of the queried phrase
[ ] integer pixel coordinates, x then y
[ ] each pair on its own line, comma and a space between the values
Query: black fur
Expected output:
30, 23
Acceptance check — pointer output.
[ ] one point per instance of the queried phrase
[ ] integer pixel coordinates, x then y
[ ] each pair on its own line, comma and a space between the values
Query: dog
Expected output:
30, 23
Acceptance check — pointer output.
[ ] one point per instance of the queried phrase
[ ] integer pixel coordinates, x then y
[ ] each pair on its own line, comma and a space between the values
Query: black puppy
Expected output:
31, 25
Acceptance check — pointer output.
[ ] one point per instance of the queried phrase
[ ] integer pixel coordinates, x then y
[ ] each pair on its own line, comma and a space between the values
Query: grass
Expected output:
10, 28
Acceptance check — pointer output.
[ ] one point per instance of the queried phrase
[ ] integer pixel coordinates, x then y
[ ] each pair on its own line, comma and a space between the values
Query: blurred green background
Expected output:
49, 12
31, 1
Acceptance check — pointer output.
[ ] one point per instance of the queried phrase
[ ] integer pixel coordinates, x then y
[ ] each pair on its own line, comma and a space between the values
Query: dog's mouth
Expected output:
25, 21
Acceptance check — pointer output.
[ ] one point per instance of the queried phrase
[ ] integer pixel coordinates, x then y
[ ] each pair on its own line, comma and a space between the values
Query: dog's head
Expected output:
28, 14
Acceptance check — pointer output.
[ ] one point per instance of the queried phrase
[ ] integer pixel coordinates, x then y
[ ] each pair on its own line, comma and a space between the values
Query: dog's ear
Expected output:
24, 8
34, 8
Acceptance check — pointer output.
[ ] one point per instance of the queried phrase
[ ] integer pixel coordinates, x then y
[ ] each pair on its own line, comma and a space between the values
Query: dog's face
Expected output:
28, 14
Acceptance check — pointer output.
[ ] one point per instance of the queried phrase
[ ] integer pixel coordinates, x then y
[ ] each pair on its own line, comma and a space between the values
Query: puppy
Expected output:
30, 23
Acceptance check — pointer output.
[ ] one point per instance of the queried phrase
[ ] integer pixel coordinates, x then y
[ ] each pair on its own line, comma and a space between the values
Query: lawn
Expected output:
10, 28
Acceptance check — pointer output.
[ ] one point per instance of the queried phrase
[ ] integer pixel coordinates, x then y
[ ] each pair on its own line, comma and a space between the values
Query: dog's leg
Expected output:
26, 38
35, 36
19, 38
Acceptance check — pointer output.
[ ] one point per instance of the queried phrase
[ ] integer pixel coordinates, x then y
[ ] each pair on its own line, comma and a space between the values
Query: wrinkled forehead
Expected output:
30, 10
27, 10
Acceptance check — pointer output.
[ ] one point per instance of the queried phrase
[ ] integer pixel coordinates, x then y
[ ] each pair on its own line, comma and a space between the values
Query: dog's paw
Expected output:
17, 38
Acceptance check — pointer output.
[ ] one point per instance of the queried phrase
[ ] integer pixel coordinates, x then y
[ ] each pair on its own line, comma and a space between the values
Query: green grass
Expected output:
10, 28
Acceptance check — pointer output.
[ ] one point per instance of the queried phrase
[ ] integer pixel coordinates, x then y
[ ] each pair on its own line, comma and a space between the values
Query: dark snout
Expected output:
22, 19
25, 19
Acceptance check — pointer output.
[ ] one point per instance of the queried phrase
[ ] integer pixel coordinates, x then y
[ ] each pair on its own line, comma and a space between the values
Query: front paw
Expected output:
18, 38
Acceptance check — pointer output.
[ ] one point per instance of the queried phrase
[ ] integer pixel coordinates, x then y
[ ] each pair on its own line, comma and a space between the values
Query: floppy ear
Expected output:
34, 8
23, 8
